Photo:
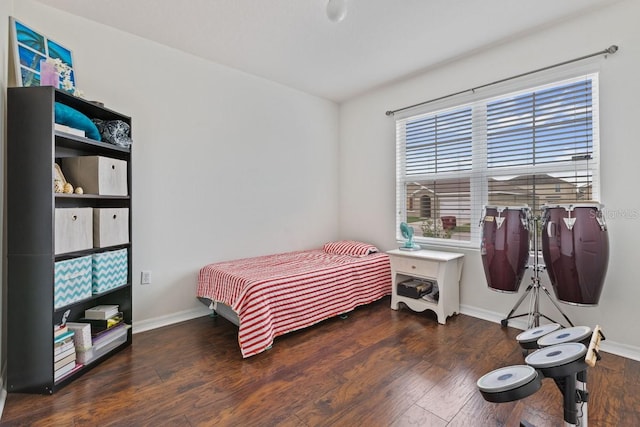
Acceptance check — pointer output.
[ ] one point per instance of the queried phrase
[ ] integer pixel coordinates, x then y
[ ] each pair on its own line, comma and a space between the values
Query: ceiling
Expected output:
293, 43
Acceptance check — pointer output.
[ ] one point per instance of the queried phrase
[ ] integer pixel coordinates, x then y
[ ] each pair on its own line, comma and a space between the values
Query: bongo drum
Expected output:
579, 334
528, 339
509, 383
505, 246
575, 249
560, 360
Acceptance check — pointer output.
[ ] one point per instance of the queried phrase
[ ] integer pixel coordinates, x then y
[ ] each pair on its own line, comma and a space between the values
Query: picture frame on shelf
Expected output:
29, 48
58, 175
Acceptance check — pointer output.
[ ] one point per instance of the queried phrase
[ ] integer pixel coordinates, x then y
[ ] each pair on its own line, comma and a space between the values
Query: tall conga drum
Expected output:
505, 246
575, 249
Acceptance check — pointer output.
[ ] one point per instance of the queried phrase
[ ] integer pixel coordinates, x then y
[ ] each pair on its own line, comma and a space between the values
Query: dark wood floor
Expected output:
379, 367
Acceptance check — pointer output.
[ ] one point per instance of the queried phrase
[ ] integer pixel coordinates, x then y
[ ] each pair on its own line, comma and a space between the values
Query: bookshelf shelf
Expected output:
33, 145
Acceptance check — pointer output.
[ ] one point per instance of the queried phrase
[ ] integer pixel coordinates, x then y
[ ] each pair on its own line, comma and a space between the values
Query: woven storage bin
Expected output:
72, 281
97, 174
109, 270
110, 227
74, 229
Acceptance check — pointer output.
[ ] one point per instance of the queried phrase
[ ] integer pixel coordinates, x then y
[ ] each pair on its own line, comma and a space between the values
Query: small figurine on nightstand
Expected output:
407, 233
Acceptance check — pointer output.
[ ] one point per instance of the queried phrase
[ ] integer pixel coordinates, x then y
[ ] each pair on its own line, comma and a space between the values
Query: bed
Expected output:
272, 295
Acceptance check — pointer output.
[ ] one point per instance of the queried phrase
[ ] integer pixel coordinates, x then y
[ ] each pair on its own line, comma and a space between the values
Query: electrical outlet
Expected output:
145, 278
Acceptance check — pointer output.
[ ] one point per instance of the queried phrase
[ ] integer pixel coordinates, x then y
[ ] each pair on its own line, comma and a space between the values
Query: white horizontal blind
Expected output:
537, 146
439, 143
547, 126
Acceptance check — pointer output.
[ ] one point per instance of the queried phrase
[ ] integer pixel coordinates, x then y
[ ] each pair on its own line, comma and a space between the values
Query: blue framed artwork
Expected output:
30, 48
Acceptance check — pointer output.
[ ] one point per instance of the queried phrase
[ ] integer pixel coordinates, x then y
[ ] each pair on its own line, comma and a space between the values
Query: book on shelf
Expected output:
101, 312
62, 346
99, 326
66, 370
69, 129
59, 330
64, 362
63, 337
62, 355
62, 371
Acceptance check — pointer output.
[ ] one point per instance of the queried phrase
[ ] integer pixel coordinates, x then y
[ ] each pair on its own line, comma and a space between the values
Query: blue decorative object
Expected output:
109, 270
66, 115
407, 233
30, 48
72, 281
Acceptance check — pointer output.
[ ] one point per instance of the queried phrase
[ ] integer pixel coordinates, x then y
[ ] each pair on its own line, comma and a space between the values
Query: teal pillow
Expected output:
66, 115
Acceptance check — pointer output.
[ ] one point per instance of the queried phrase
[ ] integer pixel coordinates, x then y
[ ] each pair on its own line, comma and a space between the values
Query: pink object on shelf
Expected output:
48, 74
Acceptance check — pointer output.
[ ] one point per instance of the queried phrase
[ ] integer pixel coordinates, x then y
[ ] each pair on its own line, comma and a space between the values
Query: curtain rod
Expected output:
610, 50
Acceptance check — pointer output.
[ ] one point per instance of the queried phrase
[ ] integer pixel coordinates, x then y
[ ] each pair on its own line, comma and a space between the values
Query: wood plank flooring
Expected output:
378, 367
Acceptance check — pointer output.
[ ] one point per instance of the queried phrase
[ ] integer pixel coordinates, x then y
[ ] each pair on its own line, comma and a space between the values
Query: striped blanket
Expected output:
276, 294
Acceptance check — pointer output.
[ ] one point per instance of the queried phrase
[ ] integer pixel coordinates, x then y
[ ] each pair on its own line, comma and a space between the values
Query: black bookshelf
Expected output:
33, 145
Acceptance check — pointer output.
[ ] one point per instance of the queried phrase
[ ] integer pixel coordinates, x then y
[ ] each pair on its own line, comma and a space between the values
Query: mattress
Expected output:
276, 294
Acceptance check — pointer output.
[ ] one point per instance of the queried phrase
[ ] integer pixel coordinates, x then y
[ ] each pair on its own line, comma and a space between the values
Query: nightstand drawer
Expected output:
415, 266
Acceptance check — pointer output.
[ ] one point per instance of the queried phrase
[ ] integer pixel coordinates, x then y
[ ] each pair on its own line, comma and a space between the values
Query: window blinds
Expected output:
537, 146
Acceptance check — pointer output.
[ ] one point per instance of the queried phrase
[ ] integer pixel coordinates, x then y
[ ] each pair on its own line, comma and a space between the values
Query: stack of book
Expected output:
69, 129
102, 318
107, 329
64, 352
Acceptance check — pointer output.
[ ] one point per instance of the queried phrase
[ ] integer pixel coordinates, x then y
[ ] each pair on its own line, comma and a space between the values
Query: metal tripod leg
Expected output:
535, 314
505, 321
556, 305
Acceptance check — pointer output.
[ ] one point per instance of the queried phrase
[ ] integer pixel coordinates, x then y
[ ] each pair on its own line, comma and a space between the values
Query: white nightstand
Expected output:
443, 267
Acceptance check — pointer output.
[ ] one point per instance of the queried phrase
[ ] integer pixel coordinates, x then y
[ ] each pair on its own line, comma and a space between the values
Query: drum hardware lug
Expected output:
550, 225
569, 222
499, 221
601, 222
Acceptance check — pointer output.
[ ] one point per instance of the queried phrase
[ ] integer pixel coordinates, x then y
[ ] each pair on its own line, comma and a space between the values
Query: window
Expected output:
537, 146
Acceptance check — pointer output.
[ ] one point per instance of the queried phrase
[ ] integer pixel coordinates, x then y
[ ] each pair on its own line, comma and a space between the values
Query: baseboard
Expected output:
169, 319
607, 346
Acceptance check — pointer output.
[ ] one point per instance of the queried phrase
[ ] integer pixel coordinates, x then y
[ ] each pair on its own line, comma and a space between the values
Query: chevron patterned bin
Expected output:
109, 270
71, 281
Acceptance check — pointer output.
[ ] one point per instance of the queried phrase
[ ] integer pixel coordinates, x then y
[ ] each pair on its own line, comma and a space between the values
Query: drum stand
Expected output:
574, 386
534, 288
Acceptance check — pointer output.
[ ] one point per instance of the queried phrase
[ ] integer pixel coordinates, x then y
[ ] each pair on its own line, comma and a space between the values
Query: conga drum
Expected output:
528, 339
581, 334
509, 383
575, 249
505, 246
559, 361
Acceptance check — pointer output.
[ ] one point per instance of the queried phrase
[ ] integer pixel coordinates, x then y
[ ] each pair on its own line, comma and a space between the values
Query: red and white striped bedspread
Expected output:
276, 294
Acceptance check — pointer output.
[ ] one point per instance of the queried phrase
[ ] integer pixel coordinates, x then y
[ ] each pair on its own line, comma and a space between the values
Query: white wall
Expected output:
367, 153
226, 165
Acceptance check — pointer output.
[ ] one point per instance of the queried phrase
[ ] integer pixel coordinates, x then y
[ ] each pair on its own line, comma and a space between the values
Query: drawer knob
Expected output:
413, 267
74, 217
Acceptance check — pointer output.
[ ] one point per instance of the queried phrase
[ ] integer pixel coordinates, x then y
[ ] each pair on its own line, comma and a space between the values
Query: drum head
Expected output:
571, 206
556, 355
509, 383
532, 335
574, 334
506, 378
499, 208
